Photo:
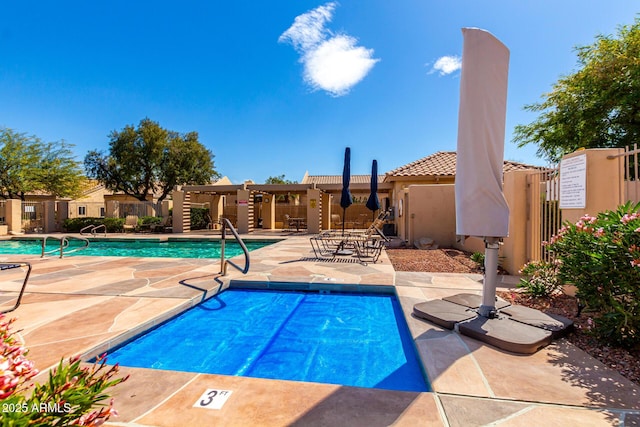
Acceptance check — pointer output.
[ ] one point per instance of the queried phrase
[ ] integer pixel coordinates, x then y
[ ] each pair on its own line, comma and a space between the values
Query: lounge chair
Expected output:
130, 223
164, 226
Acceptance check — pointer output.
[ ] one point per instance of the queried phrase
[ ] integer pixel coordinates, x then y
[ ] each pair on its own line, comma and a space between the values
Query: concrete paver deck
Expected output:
85, 305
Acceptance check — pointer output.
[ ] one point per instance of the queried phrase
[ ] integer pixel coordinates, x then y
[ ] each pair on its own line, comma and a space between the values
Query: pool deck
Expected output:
83, 305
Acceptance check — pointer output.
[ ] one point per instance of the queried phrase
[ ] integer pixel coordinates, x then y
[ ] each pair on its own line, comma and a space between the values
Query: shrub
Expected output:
73, 395
199, 218
478, 258
114, 225
74, 225
542, 279
601, 257
150, 220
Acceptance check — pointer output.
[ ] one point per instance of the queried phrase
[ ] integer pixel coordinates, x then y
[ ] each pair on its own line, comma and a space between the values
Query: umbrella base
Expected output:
517, 329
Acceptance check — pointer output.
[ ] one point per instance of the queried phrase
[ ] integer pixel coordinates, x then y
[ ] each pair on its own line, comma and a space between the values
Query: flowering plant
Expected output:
601, 257
540, 279
73, 394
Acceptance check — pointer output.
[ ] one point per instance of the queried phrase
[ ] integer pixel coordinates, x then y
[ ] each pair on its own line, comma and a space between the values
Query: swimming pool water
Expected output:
349, 339
134, 248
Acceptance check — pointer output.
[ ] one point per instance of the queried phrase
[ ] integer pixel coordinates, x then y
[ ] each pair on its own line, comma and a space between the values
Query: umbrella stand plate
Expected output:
344, 252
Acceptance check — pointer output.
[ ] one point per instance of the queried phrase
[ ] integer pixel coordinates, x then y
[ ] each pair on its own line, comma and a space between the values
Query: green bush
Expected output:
74, 225
601, 257
541, 279
114, 225
150, 220
199, 218
478, 258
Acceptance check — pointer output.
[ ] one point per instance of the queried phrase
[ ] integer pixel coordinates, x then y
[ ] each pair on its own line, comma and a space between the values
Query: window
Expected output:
102, 212
82, 210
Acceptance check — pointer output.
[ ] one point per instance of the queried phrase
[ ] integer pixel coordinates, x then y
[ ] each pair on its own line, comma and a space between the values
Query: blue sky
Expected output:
280, 87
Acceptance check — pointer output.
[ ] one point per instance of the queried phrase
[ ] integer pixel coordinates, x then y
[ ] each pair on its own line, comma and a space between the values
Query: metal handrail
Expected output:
6, 266
93, 229
223, 262
89, 227
64, 243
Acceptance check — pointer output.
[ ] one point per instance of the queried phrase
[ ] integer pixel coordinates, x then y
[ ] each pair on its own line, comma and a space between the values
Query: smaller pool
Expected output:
152, 248
348, 339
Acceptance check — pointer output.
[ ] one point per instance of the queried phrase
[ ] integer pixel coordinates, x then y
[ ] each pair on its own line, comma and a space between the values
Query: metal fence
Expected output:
32, 217
544, 217
632, 173
139, 209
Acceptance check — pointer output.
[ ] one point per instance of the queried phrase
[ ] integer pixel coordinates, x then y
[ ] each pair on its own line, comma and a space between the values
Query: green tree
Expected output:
595, 107
29, 165
151, 160
279, 180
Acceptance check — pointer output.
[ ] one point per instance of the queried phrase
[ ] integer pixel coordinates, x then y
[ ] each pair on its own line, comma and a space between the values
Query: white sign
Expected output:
213, 399
573, 182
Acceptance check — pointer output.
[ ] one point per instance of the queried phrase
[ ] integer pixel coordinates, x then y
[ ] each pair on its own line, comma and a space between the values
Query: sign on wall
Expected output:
573, 182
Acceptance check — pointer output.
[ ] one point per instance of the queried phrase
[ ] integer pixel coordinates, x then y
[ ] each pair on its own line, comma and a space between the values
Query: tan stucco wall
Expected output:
432, 213
604, 183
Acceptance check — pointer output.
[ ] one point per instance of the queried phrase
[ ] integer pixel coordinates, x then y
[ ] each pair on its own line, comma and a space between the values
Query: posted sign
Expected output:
573, 182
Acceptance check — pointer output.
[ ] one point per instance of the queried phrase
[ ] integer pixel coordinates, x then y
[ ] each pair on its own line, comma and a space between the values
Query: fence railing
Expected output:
632, 173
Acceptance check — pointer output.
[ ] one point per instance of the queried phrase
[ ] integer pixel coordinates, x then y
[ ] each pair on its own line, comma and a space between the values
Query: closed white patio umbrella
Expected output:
481, 209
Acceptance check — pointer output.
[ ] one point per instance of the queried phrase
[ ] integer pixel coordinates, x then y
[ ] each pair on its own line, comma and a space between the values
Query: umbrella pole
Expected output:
344, 217
488, 307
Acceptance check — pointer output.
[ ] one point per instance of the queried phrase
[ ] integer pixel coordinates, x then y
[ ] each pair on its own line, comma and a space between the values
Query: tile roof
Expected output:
443, 163
337, 179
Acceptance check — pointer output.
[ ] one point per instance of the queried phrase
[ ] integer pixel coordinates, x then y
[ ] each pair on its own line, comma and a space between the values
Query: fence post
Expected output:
13, 210
49, 216
514, 248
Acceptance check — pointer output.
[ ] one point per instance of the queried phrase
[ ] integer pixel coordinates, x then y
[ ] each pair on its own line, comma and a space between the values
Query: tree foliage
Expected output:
595, 107
151, 160
28, 165
279, 180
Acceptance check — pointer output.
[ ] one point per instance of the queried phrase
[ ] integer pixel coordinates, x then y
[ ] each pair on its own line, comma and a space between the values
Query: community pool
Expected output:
153, 248
349, 339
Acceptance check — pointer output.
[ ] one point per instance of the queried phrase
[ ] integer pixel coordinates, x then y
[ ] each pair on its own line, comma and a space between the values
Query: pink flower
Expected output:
635, 263
627, 218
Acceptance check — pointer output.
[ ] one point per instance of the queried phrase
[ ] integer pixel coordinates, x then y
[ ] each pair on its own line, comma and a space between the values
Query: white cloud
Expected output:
337, 64
333, 63
308, 29
446, 65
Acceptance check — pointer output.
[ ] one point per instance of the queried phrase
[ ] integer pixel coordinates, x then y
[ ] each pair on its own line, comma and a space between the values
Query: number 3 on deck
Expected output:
212, 399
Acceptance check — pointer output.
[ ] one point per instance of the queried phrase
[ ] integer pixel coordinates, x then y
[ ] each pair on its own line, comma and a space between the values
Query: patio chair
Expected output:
336, 222
164, 226
130, 223
368, 250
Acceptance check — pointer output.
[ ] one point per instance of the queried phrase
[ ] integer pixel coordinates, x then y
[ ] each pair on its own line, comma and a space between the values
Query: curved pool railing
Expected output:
223, 262
64, 244
93, 229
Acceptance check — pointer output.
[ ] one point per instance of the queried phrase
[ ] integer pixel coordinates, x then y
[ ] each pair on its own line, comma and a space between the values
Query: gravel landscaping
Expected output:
626, 362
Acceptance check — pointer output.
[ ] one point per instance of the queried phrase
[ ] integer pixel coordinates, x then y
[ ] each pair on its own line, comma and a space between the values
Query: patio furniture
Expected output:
331, 245
130, 223
290, 223
164, 226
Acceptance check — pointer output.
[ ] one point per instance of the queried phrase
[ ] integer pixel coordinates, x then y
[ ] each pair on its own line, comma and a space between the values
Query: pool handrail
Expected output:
223, 262
93, 229
64, 243
8, 266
